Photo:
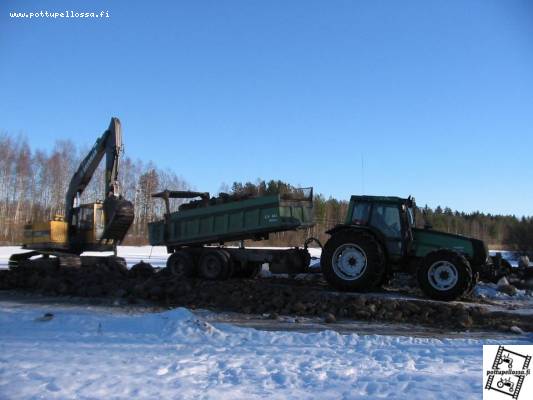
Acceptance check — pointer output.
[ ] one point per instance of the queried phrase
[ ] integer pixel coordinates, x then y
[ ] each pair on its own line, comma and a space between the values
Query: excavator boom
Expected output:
110, 145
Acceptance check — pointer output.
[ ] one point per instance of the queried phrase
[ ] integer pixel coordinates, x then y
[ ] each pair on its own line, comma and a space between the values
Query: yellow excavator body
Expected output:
48, 234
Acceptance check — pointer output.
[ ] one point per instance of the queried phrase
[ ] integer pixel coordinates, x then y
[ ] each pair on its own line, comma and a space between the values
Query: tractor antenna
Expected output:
362, 174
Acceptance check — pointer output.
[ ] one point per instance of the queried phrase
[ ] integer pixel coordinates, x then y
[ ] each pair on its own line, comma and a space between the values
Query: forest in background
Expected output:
498, 231
33, 184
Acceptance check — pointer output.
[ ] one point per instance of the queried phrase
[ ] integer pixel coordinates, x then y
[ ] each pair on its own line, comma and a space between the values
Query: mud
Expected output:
262, 296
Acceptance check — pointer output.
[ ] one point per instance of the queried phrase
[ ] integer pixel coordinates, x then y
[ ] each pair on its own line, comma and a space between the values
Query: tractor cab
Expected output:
390, 218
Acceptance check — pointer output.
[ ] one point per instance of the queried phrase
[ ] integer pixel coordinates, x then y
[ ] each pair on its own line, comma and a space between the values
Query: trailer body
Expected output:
198, 234
253, 218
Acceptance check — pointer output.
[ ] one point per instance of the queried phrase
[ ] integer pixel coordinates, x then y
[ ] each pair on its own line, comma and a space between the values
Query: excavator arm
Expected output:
118, 212
110, 145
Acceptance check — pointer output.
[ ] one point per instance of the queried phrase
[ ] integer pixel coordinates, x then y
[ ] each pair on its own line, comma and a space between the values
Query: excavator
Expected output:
100, 226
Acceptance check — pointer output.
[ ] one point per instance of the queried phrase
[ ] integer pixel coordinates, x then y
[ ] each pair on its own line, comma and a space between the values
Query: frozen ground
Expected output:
93, 353
157, 256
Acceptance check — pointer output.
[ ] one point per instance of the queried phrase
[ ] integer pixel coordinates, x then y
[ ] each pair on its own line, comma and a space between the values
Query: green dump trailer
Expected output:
196, 234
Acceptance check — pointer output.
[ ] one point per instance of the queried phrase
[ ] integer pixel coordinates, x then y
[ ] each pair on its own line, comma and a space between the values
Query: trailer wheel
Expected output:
444, 275
214, 265
353, 261
230, 267
181, 264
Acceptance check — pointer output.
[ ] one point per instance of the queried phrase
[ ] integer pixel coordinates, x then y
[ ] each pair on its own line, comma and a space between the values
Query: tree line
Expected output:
498, 231
33, 184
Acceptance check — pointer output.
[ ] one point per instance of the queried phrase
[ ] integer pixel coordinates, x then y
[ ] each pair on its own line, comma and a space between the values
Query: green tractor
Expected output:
379, 238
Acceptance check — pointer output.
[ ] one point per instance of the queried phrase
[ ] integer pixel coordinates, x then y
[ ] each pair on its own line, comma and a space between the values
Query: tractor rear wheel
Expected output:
181, 264
353, 261
444, 275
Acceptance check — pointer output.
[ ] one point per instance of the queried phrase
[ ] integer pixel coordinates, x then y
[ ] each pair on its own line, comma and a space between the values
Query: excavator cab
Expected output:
87, 227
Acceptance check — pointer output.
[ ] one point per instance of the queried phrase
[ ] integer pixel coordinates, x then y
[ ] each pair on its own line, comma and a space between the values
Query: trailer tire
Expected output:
214, 265
353, 261
229, 266
444, 275
180, 264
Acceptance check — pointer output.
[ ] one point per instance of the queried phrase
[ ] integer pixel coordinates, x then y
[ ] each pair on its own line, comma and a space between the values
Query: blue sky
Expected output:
436, 96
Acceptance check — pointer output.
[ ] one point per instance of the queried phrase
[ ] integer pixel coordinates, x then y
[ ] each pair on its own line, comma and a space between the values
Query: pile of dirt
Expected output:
257, 296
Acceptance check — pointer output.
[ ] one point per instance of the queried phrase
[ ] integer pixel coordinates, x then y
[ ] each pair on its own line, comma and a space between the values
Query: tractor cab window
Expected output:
386, 218
411, 216
360, 213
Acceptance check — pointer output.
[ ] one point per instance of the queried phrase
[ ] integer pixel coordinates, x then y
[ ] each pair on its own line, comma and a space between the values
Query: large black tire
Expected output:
180, 264
353, 261
444, 275
230, 269
214, 265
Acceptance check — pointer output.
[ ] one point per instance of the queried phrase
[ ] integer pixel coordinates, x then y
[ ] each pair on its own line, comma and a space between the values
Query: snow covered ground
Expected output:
155, 255
93, 353
511, 256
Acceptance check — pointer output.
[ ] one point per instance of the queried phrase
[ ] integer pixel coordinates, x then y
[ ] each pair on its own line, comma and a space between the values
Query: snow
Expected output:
91, 352
489, 290
155, 255
511, 256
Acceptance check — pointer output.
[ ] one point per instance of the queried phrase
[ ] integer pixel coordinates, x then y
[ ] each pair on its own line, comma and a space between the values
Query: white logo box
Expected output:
507, 372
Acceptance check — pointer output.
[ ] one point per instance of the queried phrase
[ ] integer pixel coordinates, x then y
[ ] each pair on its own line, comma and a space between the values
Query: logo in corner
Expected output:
507, 372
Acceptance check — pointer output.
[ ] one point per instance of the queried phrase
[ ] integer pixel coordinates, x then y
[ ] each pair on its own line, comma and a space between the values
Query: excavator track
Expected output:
68, 261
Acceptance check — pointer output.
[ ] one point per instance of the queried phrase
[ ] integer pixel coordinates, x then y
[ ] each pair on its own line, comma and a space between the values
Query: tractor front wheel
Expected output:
353, 261
444, 275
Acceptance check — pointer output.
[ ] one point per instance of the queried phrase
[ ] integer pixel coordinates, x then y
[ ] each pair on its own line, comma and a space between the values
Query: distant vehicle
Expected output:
512, 257
508, 264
